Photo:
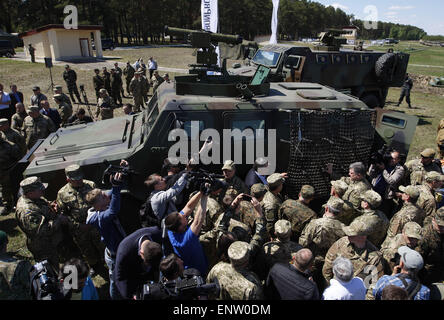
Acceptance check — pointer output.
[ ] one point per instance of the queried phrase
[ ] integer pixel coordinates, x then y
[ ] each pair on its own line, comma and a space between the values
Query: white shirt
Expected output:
152, 65
352, 290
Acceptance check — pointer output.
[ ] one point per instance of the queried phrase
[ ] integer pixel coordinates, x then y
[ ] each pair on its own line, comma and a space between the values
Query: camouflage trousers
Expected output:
7, 194
138, 103
89, 244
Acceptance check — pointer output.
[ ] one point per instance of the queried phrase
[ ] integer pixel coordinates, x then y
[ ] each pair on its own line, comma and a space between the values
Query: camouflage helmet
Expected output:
32, 184
58, 87
33, 108
433, 176
335, 205
340, 187
412, 230
258, 190
372, 198
239, 252
411, 191
439, 217
307, 191
428, 153
274, 180
74, 172
356, 228
229, 165
282, 228
231, 192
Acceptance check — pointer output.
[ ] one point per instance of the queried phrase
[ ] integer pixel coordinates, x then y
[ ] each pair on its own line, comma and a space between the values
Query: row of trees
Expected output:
142, 21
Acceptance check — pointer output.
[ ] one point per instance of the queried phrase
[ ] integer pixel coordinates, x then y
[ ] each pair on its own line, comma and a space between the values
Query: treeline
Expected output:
433, 38
142, 21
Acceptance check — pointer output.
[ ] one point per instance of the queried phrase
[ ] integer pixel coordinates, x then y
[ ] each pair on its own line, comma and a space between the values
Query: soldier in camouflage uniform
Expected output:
18, 118
156, 80
432, 249
246, 212
410, 236
72, 204
106, 80
59, 90
38, 219
128, 72
119, 72
427, 201
36, 126
12, 136
361, 252
279, 250
105, 106
231, 179
417, 168
298, 212
70, 77
272, 201
357, 184
136, 87
235, 280
338, 189
64, 109
9, 155
14, 274
99, 83
375, 220
409, 211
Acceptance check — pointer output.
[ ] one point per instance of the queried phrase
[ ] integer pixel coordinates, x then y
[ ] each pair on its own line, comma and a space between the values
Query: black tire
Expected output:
371, 101
384, 66
9, 55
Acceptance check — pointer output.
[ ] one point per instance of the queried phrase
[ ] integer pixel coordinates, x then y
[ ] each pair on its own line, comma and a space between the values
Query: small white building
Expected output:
56, 42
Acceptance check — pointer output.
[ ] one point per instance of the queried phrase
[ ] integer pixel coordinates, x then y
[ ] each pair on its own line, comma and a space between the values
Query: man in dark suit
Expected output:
16, 97
52, 113
137, 261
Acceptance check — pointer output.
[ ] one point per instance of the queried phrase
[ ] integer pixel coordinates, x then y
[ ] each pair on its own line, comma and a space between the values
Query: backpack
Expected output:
147, 216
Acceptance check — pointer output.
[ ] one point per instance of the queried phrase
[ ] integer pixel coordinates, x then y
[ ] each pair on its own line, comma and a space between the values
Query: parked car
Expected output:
6, 49
106, 44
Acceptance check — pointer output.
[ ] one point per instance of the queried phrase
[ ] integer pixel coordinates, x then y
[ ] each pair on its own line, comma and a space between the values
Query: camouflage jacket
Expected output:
71, 202
390, 247
65, 111
214, 210
354, 191
14, 136
66, 99
348, 213
129, 73
271, 204
36, 219
70, 77
99, 83
14, 278
105, 108
299, 215
38, 128
432, 249
409, 212
378, 222
156, 80
416, 171
137, 87
320, 234
17, 121
247, 214
360, 258
236, 283
426, 201
9, 154
116, 81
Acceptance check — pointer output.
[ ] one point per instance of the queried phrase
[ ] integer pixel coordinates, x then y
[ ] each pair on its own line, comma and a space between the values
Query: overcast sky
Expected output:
425, 14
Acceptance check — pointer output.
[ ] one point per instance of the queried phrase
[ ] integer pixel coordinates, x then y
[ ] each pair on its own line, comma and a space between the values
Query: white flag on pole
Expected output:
210, 19
274, 22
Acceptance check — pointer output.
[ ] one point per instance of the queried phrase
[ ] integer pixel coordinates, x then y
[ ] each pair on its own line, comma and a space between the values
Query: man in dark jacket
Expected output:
70, 76
291, 281
405, 90
16, 97
137, 261
253, 176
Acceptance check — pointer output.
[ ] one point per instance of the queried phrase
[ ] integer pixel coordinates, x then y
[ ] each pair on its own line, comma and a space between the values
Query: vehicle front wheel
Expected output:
370, 100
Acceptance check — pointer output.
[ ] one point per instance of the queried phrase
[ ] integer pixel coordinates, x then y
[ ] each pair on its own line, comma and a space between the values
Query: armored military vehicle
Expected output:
303, 126
365, 74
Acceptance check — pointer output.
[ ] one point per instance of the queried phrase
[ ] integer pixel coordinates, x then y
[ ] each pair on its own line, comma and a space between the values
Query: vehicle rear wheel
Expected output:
8, 55
384, 66
370, 100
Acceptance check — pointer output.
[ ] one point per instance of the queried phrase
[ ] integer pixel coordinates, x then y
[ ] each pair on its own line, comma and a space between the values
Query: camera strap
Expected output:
412, 288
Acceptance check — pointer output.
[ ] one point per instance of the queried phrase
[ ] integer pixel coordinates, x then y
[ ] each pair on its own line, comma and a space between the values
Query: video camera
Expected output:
200, 179
191, 287
382, 156
45, 284
111, 170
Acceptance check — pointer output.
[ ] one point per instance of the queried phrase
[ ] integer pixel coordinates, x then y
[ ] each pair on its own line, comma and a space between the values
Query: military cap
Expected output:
275, 179
335, 205
261, 162
282, 228
433, 176
229, 165
3, 238
58, 87
373, 198
33, 108
3, 121
239, 252
307, 191
258, 190
66, 65
58, 96
35, 88
231, 192
439, 216
412, 230
412, 259
32, 183
103, 91
411, 191
340, 186
428, 153
356, 228
74, 172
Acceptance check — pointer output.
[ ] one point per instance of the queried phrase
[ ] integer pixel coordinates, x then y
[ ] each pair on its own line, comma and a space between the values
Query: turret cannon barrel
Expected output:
201, 34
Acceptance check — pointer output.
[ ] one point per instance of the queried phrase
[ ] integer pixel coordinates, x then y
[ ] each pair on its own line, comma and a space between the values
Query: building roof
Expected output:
58, 26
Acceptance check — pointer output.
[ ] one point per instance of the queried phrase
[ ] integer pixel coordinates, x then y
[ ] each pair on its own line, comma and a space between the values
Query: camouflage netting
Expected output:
320, 137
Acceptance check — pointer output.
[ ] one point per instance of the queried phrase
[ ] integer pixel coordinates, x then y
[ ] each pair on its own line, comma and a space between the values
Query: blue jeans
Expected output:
110, 262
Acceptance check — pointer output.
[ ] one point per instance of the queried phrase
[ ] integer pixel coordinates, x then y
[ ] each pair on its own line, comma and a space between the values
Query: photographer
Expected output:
184, 239
405, 275
387, 174
103, 216
84, 288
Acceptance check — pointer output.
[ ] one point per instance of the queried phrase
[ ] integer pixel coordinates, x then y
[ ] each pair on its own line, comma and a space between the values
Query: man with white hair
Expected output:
344, 286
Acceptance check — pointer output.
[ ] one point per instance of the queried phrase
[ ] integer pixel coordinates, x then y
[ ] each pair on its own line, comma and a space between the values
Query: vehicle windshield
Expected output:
153, 106
266, 58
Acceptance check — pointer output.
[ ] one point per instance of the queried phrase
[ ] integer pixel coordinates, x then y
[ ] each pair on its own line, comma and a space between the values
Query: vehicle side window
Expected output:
248, 124
293, 62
